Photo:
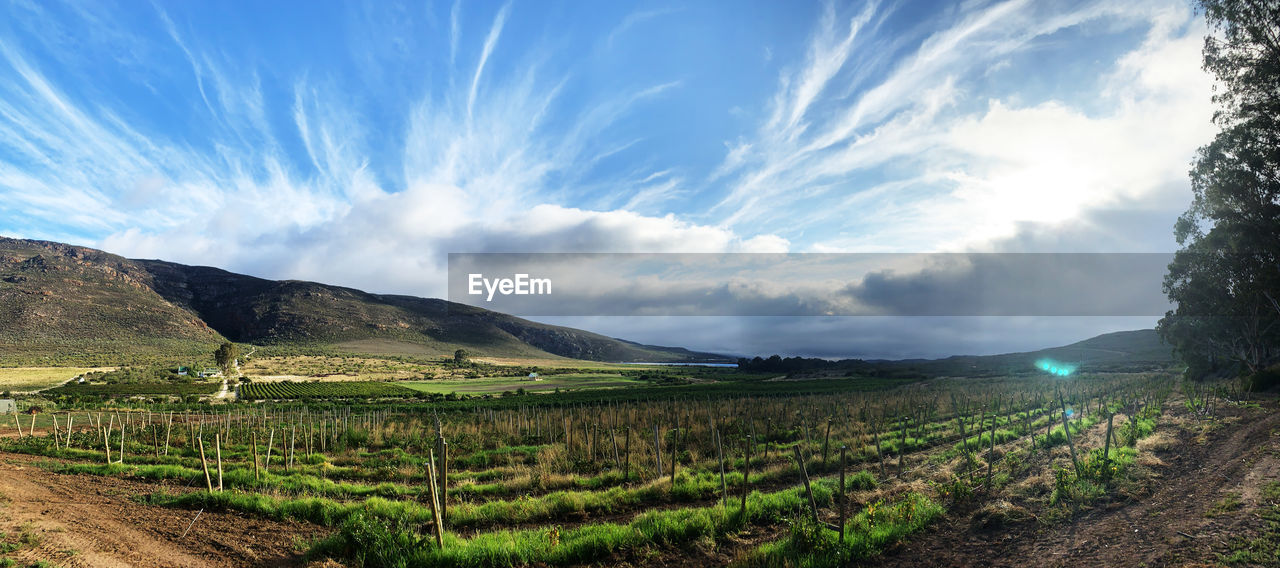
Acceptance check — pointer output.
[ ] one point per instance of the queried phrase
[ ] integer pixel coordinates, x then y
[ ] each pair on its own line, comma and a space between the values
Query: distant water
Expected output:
683, 364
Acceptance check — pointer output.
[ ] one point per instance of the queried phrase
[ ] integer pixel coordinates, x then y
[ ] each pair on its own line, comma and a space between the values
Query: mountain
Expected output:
1122, 350
61, 303
1138, 350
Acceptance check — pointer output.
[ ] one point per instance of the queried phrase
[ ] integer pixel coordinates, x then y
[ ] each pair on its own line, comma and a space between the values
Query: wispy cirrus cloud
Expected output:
942, 147
283, 183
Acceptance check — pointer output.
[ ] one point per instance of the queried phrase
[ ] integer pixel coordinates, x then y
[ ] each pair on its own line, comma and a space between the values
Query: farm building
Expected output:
7, 406
534, 377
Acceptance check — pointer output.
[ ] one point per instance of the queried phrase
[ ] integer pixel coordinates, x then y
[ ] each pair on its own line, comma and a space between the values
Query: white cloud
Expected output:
920, 160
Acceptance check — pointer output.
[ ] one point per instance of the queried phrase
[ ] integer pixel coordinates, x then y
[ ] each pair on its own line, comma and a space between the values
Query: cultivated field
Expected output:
30, 379
788, 475
504, 384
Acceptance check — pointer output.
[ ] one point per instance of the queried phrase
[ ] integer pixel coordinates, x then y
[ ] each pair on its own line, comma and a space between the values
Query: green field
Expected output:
136, 389
501, 384
333, 389
26, 379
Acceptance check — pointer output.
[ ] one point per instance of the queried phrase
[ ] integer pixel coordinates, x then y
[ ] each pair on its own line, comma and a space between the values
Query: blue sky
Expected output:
358, 144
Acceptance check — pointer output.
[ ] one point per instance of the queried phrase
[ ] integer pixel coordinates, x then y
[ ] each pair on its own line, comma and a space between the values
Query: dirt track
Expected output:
91, 521
1167, 528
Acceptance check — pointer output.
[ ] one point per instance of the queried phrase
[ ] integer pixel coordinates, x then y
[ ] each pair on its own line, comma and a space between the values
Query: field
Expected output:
547, 383
763, 474
28, 379
320, 390
134, 389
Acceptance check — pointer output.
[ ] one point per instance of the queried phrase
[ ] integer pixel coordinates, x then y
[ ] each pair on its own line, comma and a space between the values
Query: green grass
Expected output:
1230, 503
373, 536
865, 536
1262, 549
135, 389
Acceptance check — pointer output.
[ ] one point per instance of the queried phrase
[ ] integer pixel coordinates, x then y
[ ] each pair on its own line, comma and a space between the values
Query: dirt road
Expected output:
1177, 524
92, 521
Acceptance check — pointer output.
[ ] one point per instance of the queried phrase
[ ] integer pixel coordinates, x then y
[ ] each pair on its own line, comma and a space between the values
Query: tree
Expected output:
460, 356
226, 355
1225, 279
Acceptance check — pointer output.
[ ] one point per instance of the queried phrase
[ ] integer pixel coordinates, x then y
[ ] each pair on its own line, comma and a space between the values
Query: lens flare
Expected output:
1055, 368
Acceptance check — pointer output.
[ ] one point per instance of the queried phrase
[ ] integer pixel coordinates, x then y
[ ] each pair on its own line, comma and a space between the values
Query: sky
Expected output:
360, 143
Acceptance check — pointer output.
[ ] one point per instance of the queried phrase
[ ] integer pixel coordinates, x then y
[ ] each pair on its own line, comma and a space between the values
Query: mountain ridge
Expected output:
60, 297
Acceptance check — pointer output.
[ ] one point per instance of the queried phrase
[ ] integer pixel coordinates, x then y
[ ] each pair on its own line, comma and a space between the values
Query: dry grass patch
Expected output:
999, 514
1160, 441
29, 379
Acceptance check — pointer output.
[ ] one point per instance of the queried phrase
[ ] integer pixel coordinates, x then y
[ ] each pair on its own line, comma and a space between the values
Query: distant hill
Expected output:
1121, 350
1137, 350
61, 303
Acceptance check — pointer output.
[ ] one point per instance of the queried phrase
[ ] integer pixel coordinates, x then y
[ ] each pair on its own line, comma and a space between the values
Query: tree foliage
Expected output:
226, 355
1225, 279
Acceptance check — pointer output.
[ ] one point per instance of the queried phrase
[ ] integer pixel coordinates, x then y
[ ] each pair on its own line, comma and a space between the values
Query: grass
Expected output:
1262, 549
876, 527
136, 389
27, 379
1231, 502
373, 536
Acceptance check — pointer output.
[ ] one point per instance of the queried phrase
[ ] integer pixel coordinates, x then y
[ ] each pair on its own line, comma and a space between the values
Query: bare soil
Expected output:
92, 521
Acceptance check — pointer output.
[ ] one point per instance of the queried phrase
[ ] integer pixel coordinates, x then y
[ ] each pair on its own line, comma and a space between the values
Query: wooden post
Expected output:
444, 480
673, 459
122, 431
254, 437
208, 482
1106, 450
844, 495
724, 488
1067, 430
168, 430
435, 499
991, 452
746, 472
155, 440
106, 438
16, 422
70, 418
826, 444
57, 433
879, 453
902, 448
813, 505
217, 447
613, 441
266, 467
626, 468
1027, 416
657, 449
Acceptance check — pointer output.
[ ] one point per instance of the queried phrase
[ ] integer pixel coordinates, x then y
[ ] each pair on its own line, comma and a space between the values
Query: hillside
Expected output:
1121, 350
63, 302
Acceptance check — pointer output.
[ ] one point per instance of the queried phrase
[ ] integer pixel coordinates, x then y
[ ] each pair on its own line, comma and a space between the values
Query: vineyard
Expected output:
339, 389
776, 479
